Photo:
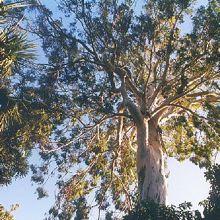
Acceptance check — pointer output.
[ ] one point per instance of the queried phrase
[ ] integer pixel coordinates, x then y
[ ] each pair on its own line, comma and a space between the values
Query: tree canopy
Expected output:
107, 67
15, 51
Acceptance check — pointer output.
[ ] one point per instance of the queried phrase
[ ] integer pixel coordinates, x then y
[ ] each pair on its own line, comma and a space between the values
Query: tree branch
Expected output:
192, 112
133, 109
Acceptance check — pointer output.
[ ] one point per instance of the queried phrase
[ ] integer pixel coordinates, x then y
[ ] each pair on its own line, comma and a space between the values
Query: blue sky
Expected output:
186, 183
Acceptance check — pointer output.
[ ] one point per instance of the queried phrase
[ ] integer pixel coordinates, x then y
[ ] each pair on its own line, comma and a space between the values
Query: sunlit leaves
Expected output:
15, 49
7, 215
71, 106
157, 58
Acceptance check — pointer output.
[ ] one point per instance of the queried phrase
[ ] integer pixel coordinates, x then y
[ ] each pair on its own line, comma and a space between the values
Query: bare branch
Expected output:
204, 93
124, 73
111, 79
133, 109
176, 97
120, 127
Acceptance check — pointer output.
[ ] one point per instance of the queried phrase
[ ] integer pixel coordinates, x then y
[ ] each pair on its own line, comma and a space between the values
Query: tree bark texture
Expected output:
150, 163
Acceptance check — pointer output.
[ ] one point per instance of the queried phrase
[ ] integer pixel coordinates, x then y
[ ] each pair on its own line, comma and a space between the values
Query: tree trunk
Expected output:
150, 163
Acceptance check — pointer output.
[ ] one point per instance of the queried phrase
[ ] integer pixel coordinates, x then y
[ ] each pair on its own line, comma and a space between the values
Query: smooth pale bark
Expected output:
150, 163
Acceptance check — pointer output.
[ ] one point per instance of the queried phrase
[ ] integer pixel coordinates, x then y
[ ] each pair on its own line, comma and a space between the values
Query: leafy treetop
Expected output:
106, 66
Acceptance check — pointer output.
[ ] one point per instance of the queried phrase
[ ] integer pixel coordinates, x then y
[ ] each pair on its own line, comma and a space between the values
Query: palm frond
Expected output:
14, 45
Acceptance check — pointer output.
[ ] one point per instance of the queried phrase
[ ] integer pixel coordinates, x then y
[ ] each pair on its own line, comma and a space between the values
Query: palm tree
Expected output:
15, 50
14, 46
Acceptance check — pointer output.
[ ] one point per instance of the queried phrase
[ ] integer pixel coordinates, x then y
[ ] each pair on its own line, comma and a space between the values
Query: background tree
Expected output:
212, 204
120, 90
18, 115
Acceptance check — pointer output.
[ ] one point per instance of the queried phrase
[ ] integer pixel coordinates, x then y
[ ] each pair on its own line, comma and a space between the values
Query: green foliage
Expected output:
165, 69
105, 66
14, 51
15, 48
41, 193
7, 215
152, 211
212, 204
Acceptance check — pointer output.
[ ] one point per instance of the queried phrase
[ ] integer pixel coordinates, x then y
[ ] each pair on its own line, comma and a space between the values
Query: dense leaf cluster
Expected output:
24, 118
101, 59
14, 50
152, 211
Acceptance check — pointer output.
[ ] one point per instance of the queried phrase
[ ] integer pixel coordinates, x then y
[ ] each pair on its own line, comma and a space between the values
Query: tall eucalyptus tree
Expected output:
121, 90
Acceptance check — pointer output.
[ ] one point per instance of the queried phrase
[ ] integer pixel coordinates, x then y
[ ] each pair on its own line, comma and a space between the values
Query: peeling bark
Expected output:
150, 163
